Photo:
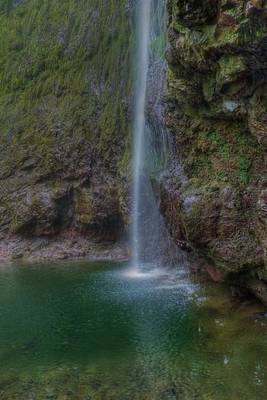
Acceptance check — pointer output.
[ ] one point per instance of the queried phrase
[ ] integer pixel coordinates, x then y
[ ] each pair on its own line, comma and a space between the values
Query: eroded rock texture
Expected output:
64, 72
217, 114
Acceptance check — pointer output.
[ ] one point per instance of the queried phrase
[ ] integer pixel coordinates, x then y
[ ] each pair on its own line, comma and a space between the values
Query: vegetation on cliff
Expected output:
64, 91
217, 114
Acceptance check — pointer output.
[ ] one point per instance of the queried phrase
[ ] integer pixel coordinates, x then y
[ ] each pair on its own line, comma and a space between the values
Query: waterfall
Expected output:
142, 62
150, 240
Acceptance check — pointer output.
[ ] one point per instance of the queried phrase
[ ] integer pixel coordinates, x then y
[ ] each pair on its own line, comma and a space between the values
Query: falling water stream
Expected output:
150, 242
142, 58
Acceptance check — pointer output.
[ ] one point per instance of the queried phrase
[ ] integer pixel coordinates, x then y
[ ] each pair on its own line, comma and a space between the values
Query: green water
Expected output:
94, 331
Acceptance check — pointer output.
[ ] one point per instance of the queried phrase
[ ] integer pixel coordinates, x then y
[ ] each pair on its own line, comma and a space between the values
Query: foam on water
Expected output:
142, 271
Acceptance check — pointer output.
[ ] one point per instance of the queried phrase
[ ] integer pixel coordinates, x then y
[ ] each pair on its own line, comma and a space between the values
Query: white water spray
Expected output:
142, 62
152, 246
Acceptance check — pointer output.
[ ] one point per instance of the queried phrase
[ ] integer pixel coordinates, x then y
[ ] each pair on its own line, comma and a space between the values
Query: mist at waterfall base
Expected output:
151, 244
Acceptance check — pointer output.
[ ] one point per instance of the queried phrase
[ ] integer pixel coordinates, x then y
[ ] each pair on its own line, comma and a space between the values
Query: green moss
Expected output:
251, 30
230, 68
217, 114
216, 156
236, 12
209, 87
243, 167
124, 162
61, 63
84, 210
220, 144
178, 27
194, 43
226, 36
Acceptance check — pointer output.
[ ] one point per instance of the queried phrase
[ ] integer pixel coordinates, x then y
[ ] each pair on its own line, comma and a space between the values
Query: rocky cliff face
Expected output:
64, 139
65, 85
217, 114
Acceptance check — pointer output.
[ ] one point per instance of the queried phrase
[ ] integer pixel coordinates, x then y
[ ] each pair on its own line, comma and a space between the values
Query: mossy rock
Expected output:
194, 12
230, 69
61, 63
258, 115
83, 207
209, 87
34, 212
